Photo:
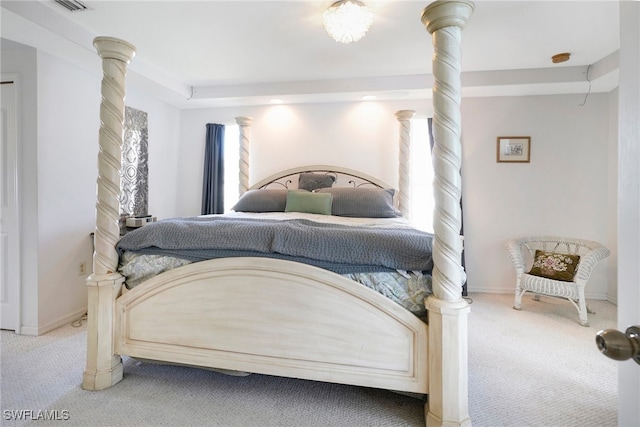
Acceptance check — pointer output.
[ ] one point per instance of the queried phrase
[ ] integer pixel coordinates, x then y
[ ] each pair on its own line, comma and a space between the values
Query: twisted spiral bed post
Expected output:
404, 117
104, 367
244, 123
448, 311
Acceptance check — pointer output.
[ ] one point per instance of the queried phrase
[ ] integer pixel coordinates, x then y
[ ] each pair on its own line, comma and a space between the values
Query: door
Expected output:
9, 232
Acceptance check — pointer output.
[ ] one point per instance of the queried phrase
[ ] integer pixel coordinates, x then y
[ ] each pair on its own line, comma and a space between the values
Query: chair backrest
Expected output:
569, 245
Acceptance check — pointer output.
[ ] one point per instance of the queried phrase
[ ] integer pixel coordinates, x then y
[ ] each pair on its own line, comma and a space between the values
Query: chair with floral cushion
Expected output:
555, 266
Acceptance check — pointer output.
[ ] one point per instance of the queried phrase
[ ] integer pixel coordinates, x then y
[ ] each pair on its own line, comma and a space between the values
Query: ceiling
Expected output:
209, 53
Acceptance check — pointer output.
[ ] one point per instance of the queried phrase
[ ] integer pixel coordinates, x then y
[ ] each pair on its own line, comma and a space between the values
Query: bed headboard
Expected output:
344, 177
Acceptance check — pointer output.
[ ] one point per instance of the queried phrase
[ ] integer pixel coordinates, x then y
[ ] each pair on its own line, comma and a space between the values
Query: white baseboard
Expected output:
64, 320
595, 295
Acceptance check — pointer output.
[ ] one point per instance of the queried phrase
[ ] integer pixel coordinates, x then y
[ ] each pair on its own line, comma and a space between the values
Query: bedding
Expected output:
266, 200
304, 201
324, 244
362, 202
312, 181
400, 270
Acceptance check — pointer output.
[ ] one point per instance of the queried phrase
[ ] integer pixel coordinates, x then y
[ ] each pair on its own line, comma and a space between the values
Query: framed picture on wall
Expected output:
513, 149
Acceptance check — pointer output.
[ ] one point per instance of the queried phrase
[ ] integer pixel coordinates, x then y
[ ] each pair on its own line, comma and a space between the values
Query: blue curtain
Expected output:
213, 180
431, 143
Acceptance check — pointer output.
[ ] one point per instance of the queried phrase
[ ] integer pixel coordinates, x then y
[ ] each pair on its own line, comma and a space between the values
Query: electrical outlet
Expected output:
82, 268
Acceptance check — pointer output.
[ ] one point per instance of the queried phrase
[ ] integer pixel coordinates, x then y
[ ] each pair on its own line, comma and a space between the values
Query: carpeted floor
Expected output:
535, 367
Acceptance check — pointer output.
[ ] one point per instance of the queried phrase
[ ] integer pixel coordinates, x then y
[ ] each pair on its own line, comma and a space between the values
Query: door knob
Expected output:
618, 346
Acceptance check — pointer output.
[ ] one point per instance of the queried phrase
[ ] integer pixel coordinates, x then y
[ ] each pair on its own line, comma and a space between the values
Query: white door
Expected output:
9, 234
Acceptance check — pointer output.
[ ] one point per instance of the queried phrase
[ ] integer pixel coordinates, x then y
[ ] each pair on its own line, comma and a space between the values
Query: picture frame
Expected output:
513, 149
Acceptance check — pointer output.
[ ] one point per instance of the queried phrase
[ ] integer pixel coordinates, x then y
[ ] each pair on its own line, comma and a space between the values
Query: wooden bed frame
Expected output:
279, 317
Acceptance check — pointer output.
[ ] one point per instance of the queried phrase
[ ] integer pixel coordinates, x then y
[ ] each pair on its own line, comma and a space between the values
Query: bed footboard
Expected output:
274, 317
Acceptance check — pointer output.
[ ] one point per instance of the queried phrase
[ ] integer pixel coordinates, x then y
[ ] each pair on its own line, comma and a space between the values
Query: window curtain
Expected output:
213, 180
431, 143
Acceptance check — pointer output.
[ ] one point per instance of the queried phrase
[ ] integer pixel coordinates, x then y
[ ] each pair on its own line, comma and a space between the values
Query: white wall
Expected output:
363, 136
68, 120
59, 149
564, 190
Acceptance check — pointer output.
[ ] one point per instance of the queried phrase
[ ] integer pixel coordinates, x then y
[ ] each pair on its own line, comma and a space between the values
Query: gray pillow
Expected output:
362, 202
312, 181
262, 201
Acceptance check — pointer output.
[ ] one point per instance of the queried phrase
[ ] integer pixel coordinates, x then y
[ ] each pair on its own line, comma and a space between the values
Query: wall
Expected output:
363, 136
564, 190
68, 101
58, 178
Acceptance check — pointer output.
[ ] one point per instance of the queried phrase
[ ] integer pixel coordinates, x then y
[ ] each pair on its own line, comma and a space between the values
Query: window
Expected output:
231, 168
421, 197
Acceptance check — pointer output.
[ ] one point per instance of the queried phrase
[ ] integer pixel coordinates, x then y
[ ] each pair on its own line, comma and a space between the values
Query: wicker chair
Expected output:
522, 252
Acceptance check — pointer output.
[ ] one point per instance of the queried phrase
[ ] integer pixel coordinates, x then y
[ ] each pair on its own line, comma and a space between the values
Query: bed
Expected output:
277, 315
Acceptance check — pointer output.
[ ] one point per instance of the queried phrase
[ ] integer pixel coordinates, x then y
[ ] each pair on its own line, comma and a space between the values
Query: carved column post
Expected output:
245, 124
404, 169
448, 334
104, 367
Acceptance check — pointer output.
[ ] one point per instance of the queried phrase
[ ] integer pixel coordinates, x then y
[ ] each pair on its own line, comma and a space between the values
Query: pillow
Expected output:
312, 181
304, 201
362, 202
556, 266
262, 201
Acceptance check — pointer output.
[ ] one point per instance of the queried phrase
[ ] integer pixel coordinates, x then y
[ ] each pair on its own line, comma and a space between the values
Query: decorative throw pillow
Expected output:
312, 181
262, 201
362, 202
304, 201
554, 265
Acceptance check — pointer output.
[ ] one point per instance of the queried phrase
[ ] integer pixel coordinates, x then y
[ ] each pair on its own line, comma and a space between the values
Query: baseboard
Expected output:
65, 320
588, 295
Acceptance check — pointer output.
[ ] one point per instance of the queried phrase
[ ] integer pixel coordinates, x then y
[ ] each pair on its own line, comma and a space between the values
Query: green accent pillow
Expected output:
554, 265
304, 201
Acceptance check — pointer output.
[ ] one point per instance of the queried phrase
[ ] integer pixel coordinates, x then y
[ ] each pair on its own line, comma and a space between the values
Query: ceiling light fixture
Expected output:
347, 21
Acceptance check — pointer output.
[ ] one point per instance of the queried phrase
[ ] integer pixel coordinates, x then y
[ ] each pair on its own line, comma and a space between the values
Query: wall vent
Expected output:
72, 5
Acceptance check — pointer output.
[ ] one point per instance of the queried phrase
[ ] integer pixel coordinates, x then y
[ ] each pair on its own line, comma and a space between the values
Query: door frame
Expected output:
17, 197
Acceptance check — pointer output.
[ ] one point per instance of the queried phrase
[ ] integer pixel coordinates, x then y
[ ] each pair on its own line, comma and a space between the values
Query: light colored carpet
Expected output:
535, 367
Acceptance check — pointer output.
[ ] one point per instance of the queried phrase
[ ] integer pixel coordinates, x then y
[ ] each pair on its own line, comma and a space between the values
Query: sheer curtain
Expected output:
431, 143
213, 179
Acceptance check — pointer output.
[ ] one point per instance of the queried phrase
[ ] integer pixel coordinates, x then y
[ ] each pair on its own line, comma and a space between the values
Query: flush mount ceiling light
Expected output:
347, 21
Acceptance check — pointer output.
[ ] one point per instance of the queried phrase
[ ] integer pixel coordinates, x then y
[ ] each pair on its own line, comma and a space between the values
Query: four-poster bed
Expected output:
282, 317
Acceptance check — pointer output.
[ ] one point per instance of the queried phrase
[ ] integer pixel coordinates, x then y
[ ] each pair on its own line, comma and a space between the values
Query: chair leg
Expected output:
517, 304
582, 309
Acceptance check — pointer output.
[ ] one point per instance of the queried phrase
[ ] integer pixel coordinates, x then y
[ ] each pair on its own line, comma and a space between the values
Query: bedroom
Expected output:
568, 131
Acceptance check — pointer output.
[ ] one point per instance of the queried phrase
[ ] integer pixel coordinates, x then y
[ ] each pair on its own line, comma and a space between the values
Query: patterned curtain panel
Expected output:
134, 176
213, 180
